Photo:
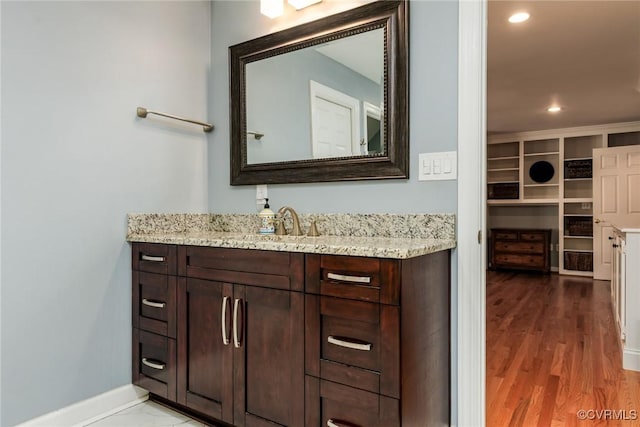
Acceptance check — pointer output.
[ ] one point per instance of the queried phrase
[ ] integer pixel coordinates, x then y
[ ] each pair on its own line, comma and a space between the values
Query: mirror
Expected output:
324, 101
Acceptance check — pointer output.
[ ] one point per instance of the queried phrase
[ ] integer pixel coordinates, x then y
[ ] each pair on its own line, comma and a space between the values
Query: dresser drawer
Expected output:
331, 404
505, 235
532, 236
520, 247
154, 303
365, 279
154, 258
354, 343
154, 363
517, 260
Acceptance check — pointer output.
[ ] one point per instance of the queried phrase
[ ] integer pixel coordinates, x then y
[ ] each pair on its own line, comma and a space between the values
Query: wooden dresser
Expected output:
521, 249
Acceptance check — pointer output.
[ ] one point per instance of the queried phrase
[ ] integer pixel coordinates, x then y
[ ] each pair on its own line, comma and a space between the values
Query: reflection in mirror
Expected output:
372, 129
320, 93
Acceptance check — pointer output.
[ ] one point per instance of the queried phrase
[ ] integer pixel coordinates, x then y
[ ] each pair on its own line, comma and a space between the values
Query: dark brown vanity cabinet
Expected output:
265, 338
377, 341
240, 336
154, 318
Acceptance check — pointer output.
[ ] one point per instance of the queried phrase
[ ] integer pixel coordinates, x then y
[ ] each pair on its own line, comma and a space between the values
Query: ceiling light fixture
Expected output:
554, 109
272, 8
516, 18
301, 4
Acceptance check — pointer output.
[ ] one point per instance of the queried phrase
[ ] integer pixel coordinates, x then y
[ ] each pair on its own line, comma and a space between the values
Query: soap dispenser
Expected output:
267, 219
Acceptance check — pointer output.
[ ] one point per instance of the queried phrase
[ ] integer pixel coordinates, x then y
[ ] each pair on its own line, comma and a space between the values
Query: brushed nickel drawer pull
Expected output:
348, 344
153, 258
225, 339
344, 278
154, 304
236, 339
153, 363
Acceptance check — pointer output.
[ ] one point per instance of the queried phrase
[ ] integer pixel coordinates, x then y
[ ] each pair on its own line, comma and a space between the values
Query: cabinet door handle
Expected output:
342, 342
236, 329
153, 258
151, 303
153, 363
225, 338
345, 278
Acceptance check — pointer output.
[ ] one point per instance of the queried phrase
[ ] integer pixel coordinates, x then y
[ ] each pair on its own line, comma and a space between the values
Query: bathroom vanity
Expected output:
254, 330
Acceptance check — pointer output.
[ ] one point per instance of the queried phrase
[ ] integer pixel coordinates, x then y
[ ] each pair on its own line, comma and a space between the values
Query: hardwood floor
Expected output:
552, 350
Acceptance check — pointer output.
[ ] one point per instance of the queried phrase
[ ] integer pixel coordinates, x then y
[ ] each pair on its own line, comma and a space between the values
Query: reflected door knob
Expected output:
597, 221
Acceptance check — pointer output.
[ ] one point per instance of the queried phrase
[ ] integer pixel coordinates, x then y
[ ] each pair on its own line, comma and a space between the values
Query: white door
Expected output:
616, 200
335, 123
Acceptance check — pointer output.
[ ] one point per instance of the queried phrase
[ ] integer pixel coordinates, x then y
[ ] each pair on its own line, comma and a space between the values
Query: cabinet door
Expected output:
204, 354
268, 357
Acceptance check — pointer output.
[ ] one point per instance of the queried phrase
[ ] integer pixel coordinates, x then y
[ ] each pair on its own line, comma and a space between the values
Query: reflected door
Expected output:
616, 200
335, 128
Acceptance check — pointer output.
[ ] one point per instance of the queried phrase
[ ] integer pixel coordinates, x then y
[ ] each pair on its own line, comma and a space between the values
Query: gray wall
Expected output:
75, 161
433, 84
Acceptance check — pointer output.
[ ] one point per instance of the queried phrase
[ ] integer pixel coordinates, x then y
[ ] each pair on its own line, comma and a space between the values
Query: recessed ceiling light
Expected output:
516, 18
554, 109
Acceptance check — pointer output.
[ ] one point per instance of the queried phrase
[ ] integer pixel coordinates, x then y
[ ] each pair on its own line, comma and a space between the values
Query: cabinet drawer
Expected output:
350, 333
355, 343
366, 279
154, 303
519, 260
280, 270
532, 237
505, 235
154, 363
154, 258
520, 247
331, 404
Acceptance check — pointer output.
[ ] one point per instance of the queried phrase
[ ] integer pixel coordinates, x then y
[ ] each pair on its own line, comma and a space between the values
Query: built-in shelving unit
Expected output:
569, 151
577, 208
503, 171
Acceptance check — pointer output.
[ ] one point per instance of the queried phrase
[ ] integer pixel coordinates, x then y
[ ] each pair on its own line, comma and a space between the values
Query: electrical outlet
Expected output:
261, 194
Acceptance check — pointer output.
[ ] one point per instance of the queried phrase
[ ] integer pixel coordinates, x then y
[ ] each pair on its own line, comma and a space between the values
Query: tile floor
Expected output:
146, 414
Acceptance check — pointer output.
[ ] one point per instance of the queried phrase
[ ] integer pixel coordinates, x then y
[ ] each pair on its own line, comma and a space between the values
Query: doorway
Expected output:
526, 75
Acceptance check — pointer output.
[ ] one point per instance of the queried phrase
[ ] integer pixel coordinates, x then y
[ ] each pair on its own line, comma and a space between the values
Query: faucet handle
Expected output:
280, 228
313, 230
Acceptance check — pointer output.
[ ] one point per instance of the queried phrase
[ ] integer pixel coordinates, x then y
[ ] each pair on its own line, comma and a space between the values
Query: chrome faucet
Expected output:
280, 228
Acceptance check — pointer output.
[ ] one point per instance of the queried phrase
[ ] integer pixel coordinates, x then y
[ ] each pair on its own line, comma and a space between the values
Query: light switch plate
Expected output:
438, 166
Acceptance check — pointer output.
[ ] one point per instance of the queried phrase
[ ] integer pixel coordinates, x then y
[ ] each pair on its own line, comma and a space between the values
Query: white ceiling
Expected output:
363, 53
581, 55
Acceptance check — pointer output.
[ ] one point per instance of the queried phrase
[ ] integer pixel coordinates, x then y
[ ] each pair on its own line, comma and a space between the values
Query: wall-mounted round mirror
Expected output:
541, 171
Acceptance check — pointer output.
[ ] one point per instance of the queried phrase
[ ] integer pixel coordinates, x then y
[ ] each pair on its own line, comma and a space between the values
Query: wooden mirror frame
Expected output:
393, 17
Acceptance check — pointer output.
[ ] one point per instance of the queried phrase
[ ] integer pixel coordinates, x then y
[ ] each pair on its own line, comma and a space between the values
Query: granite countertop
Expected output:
375, 235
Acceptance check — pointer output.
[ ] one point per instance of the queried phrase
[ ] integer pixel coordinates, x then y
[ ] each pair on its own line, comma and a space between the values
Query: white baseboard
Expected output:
630, 359
93, 409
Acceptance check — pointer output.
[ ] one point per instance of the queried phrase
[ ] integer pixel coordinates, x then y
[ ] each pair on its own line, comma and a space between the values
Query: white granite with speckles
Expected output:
375, 235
